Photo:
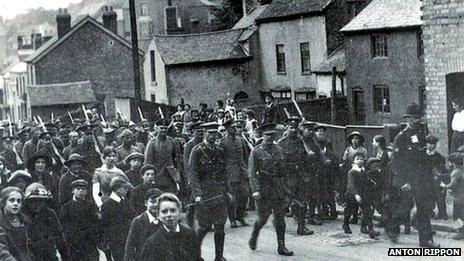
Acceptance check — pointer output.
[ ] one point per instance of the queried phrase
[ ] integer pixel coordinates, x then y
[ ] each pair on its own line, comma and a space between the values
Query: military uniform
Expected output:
235, 157
266, 171
208, 179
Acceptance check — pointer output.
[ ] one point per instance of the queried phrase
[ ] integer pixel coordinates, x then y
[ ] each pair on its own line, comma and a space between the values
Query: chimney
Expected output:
63, 22
20, 41
171, 18
110, 19
37, 41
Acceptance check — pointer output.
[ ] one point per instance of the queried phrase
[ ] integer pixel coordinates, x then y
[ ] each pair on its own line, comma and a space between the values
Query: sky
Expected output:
10, 8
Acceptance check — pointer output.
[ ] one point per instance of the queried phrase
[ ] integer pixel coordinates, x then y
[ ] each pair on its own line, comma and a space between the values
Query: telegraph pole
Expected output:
135, 51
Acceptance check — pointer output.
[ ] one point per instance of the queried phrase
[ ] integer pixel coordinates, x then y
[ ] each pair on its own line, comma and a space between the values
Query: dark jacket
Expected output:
359, 183
46, 236
14, 241
65, 185
166, 246
137, 199
80, 226
140, 230
116, 220
270, 115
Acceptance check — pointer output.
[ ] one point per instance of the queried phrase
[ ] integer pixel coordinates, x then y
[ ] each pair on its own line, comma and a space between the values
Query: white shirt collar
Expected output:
115, 197
176, 231
151, 218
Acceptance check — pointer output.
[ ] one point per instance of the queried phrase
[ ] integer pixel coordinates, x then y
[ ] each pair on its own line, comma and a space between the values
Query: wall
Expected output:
207, 83
443, 34
402, 72
106, 62
291, 33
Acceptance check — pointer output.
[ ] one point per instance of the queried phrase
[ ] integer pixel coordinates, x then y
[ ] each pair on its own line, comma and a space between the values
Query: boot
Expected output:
407, 229
460, 234
254, 237
303, 230
431, 244
314, 221
354, 220
219, 238
347, 229
282, 250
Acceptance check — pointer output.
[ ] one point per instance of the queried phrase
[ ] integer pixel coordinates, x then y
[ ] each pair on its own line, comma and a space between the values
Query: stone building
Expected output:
384, 61
88, 51
203, 67
295, 38
443, 35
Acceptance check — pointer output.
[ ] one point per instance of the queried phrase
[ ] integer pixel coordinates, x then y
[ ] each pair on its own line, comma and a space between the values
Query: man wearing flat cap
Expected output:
127, 147
413, 173
160, 151
266, 170
208, 180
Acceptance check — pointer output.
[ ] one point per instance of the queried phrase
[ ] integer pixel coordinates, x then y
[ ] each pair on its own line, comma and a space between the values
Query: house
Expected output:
443, 36
203, 67
295, 38
384, 61
106, 63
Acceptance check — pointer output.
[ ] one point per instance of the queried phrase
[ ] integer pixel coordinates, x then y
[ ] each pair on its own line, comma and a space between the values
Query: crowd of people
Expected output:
122, 188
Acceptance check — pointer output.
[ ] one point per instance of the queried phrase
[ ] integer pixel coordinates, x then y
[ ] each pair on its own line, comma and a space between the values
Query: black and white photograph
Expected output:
214, 130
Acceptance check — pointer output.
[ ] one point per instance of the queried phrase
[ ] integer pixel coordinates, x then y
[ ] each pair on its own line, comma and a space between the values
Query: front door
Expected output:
454, 88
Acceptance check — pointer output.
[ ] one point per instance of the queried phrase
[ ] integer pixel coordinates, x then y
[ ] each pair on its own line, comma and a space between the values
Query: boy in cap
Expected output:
76, 170
116, 216
143, 226
148, 173
79, 218
134, 161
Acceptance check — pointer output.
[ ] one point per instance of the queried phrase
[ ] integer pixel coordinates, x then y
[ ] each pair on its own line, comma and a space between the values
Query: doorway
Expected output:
358, 106
454, 88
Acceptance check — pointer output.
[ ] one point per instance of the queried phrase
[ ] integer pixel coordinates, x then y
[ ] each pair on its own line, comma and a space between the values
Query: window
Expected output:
169, 2
305, 95
381, 98
322, 95
420, 44
355, 7
280, 56
286, 95
379, 45
305, 58
153, 98
152, 66
143, 9
422, 99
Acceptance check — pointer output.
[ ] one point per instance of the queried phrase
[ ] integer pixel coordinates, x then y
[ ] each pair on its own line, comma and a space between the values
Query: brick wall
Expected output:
443, 35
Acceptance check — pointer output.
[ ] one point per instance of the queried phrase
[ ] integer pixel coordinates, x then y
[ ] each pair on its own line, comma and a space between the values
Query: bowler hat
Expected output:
162, 122
79, 183
293, 121
431, 139
74, 158
85, 127
413, 111
147, 167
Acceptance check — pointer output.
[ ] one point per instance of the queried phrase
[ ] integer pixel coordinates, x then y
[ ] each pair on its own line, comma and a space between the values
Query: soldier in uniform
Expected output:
208, 180
161, 153
299, 172
236, 156
414, 173
268, 183
127, 147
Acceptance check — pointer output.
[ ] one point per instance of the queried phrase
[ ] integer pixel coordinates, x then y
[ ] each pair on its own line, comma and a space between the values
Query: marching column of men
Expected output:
130, 182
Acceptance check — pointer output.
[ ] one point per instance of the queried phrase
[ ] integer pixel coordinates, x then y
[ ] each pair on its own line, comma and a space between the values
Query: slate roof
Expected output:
55, 41
290, 9
382, 14
335, 59
192, 48
251, 17
61, 93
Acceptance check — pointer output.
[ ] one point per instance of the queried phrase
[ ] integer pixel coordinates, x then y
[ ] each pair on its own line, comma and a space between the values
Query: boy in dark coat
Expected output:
137, 200
79, 219
172, 241
76, 170
116, 218
358, 190
143, 226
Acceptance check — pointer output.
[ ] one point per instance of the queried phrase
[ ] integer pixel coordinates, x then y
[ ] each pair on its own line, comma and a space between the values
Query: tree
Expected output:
230, 12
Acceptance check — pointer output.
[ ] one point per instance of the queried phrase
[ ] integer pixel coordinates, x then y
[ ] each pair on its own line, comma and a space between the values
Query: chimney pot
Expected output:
63, 22
110, 19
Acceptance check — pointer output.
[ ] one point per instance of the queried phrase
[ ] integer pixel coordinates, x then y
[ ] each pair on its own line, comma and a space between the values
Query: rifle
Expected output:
250, 146
161, 112
224, 198
287, 113
120, 114
87, 119
71, 117
19, 161
140, 114
298, 110
96, 144
55, 150
35, 120
103, 120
